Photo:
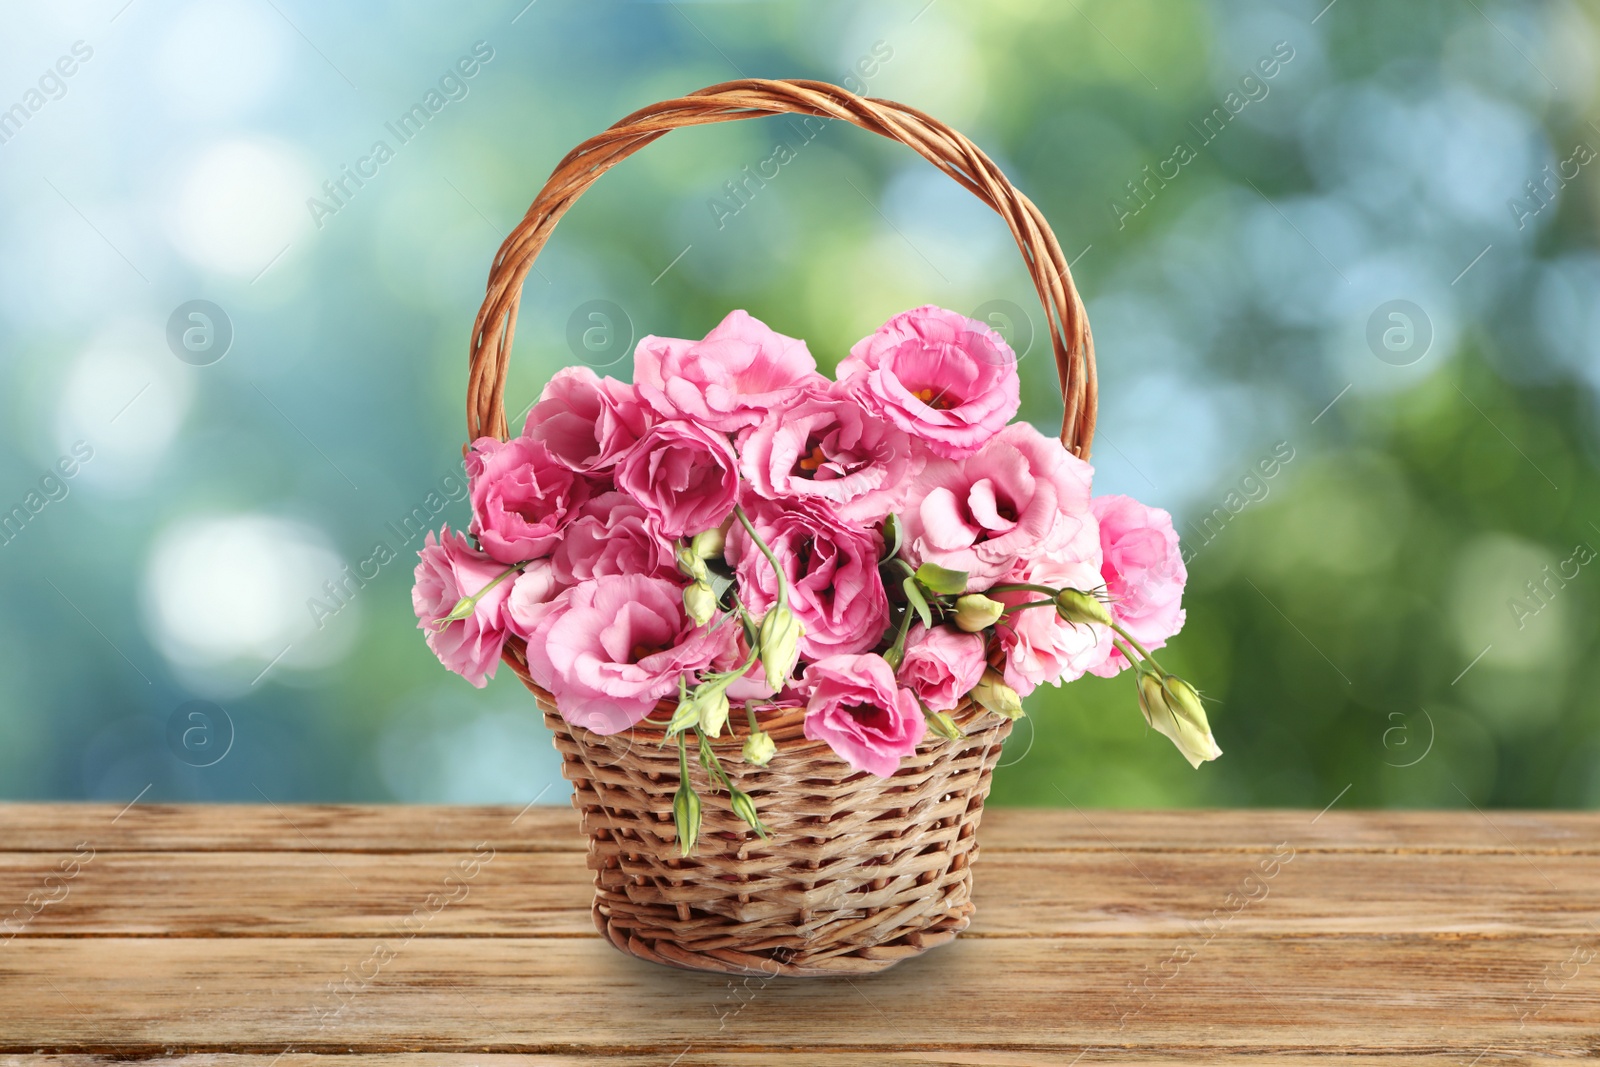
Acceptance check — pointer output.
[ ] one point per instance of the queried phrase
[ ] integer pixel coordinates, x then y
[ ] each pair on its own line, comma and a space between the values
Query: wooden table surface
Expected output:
292, 936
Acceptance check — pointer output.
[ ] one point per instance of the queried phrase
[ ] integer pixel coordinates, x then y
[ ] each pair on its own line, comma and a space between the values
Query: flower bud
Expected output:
700, 602
1172, 706
712, 699
942, 724
975, 612
463, 610
993, 693
686, 816
745, 807
1074, 605
690, 563
780, 645
759, 748
687, 713
709, 545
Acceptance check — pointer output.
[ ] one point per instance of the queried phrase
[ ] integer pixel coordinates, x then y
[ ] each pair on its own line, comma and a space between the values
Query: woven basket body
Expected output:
859, 872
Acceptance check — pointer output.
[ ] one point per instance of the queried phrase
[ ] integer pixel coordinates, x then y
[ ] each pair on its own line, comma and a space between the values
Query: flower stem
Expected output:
467, 604
1144, 653
1030, 604
1023, 587
783, 579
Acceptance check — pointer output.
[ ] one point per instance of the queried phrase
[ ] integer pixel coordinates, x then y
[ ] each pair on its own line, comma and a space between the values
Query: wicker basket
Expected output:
860, 872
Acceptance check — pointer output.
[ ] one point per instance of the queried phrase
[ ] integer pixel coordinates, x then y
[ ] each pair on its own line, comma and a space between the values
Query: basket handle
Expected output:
933, 140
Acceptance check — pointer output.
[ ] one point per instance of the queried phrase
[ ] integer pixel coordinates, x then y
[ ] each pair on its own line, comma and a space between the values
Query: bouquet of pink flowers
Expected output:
734, 527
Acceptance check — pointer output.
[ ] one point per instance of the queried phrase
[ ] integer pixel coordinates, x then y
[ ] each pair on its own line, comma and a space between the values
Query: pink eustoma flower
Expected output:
942, 377
587, 422
941, 665
612, 534
685, 476
448, 569
522, 496
855, 705
729, 380
832, 570
1022, 495
1143, 572
829, 448
608, 649
1040, 646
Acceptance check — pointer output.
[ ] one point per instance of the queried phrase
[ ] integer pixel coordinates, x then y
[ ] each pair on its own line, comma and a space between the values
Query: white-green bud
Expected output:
690, 563
759, 748
993, 693
712, 699
709, 544
976, 612
1172, 706
700, 602
1074, 605
780, 645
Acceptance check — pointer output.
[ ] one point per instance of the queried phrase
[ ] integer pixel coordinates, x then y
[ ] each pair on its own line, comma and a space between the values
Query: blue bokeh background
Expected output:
1401, 614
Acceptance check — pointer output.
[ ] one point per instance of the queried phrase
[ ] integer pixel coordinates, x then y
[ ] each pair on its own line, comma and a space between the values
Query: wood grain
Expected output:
223, 935
550, 828
254, 894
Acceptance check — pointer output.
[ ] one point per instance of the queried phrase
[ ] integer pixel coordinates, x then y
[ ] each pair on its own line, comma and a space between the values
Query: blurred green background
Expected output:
1402, 614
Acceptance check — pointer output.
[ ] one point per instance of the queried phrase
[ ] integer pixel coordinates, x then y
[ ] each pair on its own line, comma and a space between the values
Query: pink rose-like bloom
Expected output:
1022, 495
536, 586
832, 568
449, 568
1143, 571
728, 381
683, 475
940, 376
587, 422
610, 648
856, 706
612, 534
942, 665
831, 449
521, 497
1040, 646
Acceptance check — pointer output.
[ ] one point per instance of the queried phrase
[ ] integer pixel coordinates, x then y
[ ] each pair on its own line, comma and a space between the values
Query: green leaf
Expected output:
918, 602
893, 536
720, 584
942, 579
898, 567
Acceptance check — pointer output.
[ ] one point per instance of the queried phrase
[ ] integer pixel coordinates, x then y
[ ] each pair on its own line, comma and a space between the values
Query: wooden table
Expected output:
356, 935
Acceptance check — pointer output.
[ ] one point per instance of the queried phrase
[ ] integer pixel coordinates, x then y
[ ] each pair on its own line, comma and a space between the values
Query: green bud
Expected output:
685, 804
463, 610
1074, 605
700, 602
993, 693
745, 807
759, 748
686, 817
976, 612
942, 724
687, 713
709, 545
1172, 706
780, 644
712, 699
690, 563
